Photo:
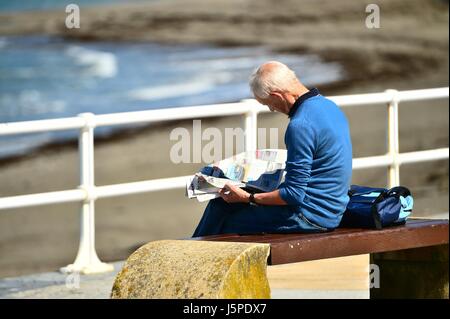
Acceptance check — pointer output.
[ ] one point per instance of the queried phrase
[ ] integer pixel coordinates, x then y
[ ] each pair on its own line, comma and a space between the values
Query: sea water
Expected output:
44, 77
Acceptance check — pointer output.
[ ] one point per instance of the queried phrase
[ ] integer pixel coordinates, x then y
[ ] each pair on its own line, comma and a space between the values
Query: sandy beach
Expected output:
409, 51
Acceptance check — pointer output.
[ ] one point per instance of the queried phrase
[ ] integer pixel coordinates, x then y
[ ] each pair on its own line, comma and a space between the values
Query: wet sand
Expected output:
409, 51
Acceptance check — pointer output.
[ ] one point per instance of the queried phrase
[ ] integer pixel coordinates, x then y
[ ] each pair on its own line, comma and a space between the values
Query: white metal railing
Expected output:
87, 260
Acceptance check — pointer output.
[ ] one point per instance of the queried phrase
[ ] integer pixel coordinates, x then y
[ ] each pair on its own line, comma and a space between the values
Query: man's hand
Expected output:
234, 194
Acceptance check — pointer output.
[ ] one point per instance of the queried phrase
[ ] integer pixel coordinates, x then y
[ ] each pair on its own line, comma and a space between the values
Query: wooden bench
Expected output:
411, 260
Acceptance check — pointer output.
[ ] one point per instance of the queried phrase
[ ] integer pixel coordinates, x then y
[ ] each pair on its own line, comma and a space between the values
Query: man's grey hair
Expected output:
279, 78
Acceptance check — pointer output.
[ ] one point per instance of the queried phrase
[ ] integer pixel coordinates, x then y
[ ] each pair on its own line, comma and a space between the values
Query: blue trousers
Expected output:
221, 217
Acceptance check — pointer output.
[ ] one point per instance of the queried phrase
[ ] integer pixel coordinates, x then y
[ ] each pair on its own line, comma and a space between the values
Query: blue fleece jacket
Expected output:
319, 160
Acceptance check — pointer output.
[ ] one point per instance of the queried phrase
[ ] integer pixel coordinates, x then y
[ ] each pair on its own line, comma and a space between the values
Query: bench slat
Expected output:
290, 248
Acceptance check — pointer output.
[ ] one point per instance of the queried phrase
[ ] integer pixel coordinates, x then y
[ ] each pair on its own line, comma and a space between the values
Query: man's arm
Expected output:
301, 146
234, 194
272, 198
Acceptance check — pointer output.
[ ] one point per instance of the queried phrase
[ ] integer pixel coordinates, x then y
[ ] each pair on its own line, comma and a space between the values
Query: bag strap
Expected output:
399, 191
375, 215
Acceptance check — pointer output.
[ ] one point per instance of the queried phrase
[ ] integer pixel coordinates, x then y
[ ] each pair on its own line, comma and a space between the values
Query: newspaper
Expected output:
257, 171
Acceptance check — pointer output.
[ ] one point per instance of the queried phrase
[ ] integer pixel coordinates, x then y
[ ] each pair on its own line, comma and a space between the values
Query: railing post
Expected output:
251, 130
393, 139
87, 260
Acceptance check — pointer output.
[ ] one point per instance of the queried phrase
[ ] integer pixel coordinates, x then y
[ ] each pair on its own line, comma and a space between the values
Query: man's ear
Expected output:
276, 94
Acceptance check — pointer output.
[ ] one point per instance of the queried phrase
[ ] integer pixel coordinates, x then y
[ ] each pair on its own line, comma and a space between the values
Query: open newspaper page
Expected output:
258, 171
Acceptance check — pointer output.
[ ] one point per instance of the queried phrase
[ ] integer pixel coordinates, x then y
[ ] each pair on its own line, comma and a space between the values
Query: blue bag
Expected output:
377, 207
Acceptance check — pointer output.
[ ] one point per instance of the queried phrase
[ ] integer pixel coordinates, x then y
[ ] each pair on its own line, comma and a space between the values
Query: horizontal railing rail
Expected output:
87, 260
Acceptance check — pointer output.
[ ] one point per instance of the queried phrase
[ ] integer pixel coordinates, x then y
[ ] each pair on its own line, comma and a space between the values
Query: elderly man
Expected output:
313, 196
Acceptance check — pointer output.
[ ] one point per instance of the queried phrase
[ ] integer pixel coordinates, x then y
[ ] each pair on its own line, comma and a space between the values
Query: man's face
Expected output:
274, 103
